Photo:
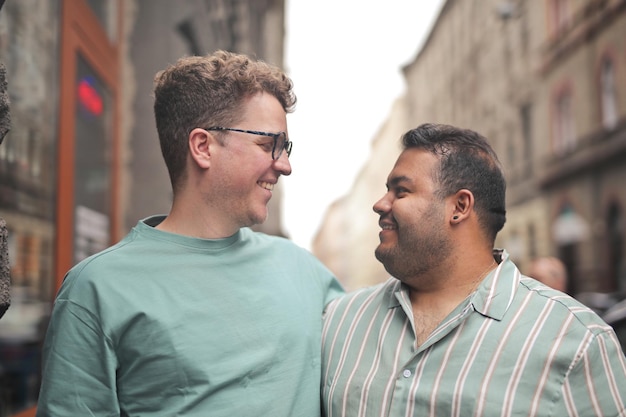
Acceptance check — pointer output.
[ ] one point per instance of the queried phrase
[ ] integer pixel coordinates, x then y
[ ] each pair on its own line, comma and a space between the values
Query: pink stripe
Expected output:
474, 350
524, 356
344, 352
496, 357
543, 379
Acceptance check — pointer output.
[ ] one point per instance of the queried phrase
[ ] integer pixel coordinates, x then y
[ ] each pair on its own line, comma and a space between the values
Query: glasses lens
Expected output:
280, 142
288, 146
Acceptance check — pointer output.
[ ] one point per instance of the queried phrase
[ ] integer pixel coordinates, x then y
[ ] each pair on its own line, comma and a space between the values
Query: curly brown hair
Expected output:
209, 90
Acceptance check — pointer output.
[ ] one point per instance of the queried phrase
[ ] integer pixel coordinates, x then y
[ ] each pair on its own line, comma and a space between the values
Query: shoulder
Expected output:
361, 312
365, 298
88, 271
274, 243
564, 308
286, 258
253, 236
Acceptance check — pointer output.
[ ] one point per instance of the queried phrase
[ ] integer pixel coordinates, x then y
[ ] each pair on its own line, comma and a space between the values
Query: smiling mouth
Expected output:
266, 185
388, 227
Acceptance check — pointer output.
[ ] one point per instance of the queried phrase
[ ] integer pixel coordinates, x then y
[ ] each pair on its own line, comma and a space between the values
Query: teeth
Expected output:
266, 185
388, 227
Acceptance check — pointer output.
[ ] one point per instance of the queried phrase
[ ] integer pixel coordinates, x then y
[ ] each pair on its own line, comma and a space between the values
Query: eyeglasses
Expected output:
281, 143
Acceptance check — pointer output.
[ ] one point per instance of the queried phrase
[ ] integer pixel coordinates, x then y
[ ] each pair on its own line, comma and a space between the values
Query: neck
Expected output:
431, 307
474, 284
195, 221
449, 286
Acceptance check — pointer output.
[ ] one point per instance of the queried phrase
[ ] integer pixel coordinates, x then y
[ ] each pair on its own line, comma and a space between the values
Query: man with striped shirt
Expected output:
457, 330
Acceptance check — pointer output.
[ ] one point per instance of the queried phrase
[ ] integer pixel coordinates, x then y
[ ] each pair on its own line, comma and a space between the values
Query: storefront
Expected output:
59, 166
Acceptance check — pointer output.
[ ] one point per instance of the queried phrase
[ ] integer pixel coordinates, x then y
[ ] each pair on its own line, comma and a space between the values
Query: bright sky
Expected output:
344, 57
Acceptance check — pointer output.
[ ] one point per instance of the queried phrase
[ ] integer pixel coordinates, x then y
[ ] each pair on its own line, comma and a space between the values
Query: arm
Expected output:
79, 365
596, 384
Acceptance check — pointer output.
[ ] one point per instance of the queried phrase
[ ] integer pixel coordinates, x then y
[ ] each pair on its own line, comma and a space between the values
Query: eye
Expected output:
267, 146
400, 192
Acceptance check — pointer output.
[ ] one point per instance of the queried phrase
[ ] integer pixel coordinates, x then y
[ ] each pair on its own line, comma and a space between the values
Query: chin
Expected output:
380, 254
386, 254
258, 219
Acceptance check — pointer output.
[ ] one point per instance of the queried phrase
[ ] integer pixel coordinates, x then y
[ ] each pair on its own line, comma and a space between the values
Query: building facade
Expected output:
545, 82
82, 162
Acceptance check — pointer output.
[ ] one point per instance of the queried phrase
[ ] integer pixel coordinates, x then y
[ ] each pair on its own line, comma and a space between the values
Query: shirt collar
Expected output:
495, 293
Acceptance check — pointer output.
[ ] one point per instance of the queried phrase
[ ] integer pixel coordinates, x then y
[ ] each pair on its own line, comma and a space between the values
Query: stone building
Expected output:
82, 161
545, 81
348, 235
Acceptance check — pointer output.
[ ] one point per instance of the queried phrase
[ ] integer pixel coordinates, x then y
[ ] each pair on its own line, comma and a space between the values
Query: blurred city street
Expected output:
545, 82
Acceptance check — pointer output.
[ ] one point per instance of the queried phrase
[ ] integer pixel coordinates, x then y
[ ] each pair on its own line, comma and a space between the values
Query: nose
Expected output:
383, 205
282, 164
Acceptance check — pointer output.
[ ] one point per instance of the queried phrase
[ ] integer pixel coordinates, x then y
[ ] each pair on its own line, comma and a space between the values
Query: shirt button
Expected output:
406, 373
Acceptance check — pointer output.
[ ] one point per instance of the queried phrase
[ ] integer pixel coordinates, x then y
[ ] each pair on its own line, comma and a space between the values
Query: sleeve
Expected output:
325, 279
596, 385
334, 290
79, 365
332, 286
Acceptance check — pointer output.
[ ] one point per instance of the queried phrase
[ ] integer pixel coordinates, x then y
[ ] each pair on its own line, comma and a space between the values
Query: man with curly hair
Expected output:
193, 313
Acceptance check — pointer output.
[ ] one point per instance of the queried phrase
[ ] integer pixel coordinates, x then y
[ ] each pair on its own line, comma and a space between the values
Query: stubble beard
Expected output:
416, 251
248, 215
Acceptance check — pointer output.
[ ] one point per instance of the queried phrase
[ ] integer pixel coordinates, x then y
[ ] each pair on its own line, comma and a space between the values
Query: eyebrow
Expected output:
397, 180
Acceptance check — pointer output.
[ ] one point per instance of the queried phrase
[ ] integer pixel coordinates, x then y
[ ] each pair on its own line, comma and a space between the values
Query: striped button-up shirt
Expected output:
513, 348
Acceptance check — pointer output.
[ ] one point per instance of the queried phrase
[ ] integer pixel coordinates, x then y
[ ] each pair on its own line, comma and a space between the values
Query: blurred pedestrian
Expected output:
193, 313
550, 271
457, 330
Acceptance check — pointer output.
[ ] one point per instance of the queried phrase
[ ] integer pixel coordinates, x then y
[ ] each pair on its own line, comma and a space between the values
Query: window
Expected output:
559, 14
608, 98
106, 13
92, 165
527, 140
564, 136
87, 211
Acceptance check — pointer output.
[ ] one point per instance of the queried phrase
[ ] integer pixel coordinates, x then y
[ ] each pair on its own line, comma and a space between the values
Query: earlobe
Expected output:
463, 204
199, 147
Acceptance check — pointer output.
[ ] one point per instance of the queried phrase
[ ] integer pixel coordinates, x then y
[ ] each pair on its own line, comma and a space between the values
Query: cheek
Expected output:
405, 211
242, 170
411, 218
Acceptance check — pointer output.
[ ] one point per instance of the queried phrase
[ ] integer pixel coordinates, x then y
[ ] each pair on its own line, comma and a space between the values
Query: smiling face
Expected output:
243, 173
413, 238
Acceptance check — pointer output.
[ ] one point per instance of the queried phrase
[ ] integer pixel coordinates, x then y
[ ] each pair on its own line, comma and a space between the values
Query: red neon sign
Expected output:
89, 97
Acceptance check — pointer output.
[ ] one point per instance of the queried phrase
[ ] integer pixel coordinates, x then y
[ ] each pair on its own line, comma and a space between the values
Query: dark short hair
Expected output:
202, 91
467, 161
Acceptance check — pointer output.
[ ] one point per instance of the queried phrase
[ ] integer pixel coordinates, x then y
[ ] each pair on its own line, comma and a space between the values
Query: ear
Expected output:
462, 205
200, 145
